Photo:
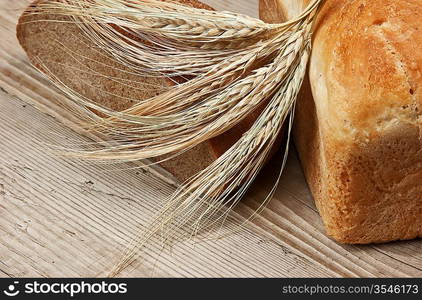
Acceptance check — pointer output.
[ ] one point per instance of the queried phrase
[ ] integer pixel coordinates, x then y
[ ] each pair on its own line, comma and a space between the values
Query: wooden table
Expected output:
60, 217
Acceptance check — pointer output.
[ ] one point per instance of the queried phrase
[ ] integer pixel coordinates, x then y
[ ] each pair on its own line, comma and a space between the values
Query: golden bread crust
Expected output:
360, 136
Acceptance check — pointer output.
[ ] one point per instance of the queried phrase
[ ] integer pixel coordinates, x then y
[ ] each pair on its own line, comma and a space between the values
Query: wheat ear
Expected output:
193, 112
239, 64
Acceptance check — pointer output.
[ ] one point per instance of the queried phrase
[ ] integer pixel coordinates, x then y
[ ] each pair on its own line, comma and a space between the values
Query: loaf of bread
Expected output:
359, 137
92, 72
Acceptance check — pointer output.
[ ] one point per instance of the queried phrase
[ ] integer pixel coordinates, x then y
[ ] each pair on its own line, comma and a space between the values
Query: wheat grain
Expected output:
240, 63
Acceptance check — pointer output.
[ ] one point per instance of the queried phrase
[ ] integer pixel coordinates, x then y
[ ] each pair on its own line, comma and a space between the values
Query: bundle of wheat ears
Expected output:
230, 64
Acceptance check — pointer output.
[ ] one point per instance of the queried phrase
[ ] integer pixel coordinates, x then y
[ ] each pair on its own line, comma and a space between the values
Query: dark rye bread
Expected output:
358, 125
90, 76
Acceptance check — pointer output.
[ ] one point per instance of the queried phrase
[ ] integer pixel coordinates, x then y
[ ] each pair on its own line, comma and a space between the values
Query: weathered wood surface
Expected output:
60, 217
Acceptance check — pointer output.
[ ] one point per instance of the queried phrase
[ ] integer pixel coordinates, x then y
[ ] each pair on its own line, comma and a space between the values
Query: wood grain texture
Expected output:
60, 217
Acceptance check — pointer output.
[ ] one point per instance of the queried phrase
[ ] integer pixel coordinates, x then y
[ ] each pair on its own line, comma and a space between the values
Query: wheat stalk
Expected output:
156, 128
201, 202
239, 64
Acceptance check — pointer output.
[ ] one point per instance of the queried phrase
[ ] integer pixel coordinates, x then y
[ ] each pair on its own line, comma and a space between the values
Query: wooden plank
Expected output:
60, 217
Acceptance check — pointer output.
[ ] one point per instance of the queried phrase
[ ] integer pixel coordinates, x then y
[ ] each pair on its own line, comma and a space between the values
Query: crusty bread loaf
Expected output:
91, 72
360, 136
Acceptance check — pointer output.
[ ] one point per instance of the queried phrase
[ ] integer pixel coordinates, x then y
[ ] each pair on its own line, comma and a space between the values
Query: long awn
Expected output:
235, 64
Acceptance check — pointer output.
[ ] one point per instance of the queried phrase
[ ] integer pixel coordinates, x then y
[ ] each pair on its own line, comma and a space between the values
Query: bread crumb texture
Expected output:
61, 49
93, 73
